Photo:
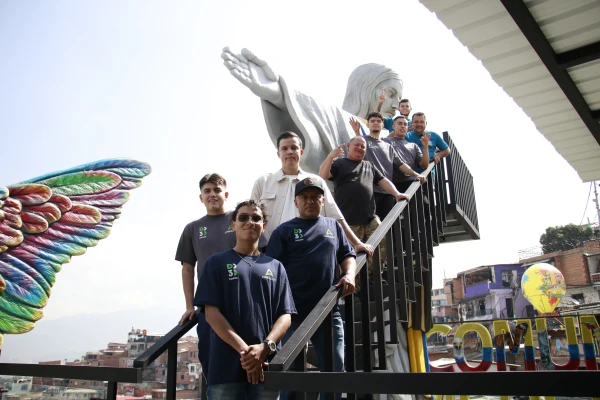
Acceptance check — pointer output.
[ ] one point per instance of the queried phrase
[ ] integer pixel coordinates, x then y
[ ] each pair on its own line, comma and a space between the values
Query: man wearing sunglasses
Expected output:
313, 249
201, 239
247, 301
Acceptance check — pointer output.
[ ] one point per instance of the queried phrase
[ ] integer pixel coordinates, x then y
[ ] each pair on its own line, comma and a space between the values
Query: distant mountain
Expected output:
72, 337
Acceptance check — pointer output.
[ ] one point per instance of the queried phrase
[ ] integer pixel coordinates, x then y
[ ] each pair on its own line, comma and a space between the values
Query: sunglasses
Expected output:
246, 217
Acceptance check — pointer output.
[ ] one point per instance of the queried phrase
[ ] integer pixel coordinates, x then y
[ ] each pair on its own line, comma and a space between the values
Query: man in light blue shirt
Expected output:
437, 150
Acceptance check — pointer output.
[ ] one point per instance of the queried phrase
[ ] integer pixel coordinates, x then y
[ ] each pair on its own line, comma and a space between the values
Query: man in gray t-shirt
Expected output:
383, 156
201, 239
409, 152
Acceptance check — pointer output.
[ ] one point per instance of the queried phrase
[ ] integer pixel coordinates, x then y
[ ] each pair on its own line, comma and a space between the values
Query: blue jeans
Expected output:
318, 342
240, 391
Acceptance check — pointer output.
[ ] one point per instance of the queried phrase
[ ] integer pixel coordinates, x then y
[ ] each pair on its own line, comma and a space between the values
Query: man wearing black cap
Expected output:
311, 247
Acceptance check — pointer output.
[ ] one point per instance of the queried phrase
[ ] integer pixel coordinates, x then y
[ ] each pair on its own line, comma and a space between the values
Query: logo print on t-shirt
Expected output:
202, 232
232, 271
328, 234
298, 235
269, 275
229, 229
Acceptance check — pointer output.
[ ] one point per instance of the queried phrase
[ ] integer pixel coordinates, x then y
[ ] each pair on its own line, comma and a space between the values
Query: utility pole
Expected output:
596, 201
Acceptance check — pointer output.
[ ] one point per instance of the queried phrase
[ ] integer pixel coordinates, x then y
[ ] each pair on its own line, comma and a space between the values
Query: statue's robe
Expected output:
321, 127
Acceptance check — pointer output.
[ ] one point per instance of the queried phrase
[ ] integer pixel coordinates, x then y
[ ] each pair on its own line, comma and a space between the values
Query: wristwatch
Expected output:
271, 345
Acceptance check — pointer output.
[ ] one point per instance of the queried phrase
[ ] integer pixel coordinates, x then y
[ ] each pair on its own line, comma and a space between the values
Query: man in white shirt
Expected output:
276, 191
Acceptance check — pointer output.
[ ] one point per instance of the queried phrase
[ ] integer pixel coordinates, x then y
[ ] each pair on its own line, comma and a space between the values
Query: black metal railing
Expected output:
114, 375
461, 190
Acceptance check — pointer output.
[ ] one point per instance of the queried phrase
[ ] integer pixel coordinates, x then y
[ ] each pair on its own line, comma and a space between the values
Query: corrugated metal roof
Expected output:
494, 36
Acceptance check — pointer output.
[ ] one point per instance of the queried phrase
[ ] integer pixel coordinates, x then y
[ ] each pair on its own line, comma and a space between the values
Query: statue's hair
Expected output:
361, 86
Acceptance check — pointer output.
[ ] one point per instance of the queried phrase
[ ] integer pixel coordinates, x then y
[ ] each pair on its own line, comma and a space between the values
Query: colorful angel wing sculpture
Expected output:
46, 220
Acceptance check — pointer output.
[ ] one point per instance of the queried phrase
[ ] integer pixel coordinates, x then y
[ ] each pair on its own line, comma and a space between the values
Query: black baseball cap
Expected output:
308, 183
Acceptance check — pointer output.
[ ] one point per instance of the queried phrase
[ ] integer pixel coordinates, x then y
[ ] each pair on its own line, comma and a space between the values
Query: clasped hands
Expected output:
253, 360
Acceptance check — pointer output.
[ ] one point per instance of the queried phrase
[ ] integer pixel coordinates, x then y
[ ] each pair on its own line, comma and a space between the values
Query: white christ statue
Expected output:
321, 127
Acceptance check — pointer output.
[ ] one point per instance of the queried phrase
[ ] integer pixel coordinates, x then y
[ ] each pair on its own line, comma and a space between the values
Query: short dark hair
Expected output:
374, 114
419, 114
287, 135
405, 101
250, 203
400, 116
213, 178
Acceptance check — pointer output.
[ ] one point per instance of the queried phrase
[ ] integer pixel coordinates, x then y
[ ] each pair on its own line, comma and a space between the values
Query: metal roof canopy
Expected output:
546, 55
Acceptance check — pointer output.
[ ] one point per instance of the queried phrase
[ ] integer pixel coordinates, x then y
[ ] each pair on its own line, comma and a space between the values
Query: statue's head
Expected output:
364, 87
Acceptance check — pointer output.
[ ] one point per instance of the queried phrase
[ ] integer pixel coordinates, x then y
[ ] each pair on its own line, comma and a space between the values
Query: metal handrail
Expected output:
163, 344
89, 373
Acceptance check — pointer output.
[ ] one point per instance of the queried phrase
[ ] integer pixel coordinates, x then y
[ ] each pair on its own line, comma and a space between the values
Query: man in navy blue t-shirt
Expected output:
313, 249
247, 301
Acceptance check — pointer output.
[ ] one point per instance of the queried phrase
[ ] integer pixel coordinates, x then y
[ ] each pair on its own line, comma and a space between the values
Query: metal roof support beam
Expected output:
596, 115
534, 35
579, 56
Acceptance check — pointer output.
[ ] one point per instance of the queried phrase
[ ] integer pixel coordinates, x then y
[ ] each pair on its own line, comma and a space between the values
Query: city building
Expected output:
188, 374
441, 305
493, 292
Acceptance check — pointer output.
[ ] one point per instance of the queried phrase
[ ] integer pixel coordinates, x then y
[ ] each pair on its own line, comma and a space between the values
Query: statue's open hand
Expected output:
254, 73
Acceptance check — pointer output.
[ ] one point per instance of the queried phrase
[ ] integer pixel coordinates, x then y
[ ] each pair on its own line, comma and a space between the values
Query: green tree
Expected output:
566, 237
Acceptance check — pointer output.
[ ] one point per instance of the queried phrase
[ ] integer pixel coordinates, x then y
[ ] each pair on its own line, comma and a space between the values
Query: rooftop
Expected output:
546, 56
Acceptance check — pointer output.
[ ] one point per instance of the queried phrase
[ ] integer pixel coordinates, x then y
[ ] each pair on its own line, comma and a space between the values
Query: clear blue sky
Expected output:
82, 81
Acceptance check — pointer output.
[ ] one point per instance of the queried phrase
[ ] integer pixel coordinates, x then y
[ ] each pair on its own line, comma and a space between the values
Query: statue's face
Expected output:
393, 93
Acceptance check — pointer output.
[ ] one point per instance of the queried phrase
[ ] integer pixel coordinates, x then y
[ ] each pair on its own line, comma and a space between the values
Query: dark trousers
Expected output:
383, 204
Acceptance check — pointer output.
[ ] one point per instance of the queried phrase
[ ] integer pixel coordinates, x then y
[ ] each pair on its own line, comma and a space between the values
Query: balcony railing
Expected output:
479, 313
461, 204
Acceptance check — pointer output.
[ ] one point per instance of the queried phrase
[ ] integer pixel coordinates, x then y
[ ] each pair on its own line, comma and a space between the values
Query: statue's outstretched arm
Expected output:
255, 74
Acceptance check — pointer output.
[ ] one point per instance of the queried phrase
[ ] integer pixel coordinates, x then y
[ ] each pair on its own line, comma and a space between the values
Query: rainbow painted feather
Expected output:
46, 220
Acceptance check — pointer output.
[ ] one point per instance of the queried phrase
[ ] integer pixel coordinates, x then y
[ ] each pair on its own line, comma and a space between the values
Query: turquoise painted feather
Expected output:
45, 221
